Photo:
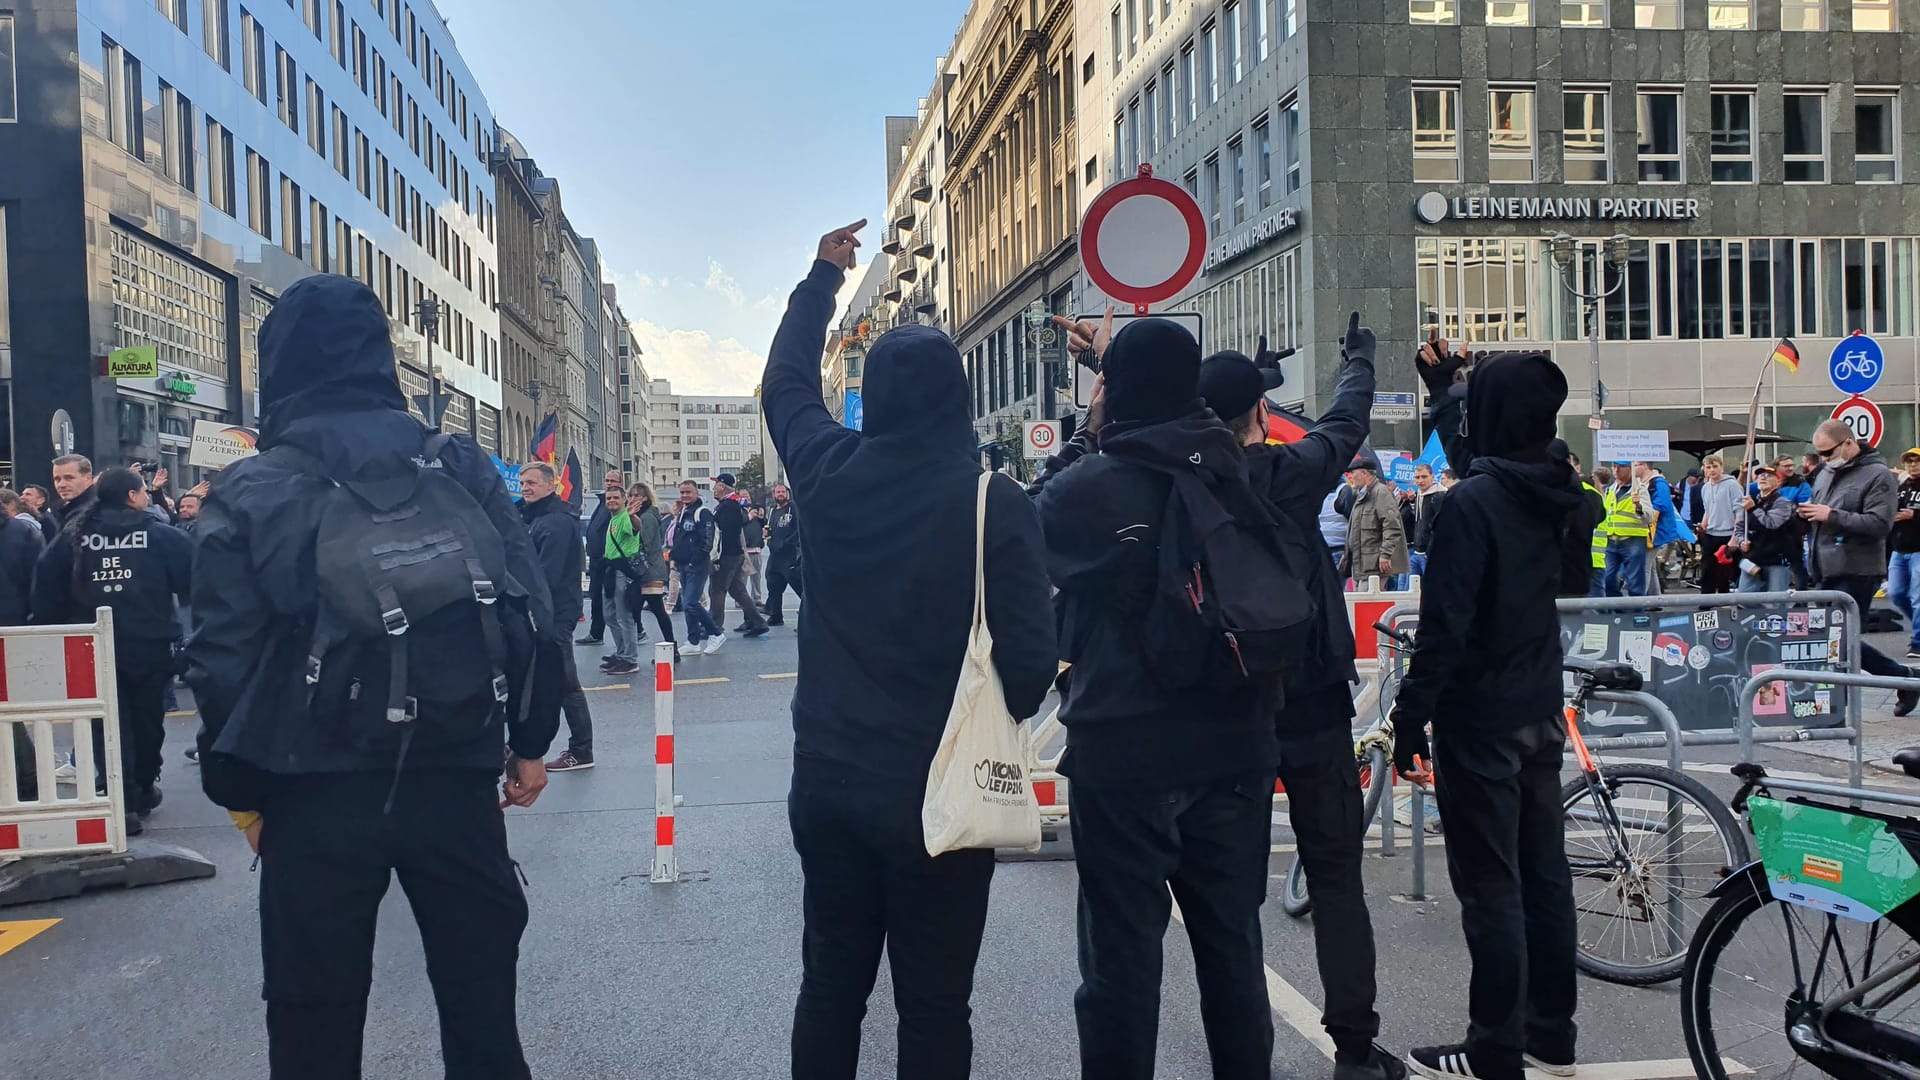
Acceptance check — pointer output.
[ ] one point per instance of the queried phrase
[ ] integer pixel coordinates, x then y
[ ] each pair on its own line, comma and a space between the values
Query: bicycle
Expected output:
1841, 886
1373, 756
1648, 842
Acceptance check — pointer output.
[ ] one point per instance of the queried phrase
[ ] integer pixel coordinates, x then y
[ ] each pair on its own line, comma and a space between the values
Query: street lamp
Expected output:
1564, 251
428, 313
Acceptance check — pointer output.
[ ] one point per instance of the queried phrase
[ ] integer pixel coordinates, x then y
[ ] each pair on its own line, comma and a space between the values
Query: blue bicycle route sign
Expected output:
1856, 364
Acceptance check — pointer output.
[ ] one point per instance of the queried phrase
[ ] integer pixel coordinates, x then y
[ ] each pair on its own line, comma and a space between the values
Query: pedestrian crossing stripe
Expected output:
15, 934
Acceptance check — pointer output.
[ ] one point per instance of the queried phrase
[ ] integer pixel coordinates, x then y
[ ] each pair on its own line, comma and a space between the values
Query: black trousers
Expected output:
1207, 843
327, 853
1862, 588
1716, 577
600, 584
779, 579
143, 670
1506, 856
1323, 799
869, 884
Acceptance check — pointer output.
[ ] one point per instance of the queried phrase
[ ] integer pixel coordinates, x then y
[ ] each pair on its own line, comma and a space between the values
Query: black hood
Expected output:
1513, 402
1545, 488
916, 387
1152, 371
325, 349
1197, 441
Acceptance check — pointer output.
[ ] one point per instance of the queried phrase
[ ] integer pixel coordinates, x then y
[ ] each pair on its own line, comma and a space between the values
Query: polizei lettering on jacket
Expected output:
999, 777
97, 542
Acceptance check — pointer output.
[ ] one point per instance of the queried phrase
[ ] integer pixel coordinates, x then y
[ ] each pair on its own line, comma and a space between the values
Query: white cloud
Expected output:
695, 362
719, 281
769, 302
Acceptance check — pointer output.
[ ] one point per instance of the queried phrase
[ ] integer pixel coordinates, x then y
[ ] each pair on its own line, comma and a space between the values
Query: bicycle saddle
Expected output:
1603, 676
1909, 760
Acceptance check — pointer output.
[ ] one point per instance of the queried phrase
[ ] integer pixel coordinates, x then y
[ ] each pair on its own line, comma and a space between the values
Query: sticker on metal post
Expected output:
1706, 620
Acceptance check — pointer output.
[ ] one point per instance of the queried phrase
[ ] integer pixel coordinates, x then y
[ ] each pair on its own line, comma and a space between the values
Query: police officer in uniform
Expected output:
112, 553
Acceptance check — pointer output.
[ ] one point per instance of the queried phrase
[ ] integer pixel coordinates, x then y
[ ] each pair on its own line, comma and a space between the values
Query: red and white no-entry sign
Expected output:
1143, 240
1863, 418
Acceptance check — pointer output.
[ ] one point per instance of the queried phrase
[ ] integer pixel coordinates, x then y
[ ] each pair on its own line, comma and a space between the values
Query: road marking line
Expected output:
783, 675
701, 682
15, 934
610, 686
178, 713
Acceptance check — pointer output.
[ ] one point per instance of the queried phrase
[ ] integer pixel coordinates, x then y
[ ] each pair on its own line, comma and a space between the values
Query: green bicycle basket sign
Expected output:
1829, 860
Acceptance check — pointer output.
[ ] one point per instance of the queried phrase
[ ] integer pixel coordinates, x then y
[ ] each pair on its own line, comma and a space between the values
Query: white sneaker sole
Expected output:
573, 768
1551, 1070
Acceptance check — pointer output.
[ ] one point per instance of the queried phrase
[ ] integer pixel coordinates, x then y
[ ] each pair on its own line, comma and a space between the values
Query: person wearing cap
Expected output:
1903, 565
730, 517
1771, 545
1376, 541
1172, 785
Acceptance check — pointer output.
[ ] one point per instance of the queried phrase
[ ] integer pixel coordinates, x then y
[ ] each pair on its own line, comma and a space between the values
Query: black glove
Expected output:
1409, 741
1439, 377
1357, 344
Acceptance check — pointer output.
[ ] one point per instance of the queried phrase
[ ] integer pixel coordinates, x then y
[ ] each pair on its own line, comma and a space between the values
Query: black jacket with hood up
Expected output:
329, 388
1488, 655
889, 537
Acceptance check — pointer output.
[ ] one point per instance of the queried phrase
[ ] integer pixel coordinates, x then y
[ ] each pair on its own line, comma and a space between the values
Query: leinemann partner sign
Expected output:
1433, 208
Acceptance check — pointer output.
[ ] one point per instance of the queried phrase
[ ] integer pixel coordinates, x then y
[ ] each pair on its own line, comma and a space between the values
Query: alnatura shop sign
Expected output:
1434, 208
1239, 244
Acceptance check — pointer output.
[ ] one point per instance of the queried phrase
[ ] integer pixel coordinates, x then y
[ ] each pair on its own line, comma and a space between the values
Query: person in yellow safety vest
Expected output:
1602, 476
1627, 532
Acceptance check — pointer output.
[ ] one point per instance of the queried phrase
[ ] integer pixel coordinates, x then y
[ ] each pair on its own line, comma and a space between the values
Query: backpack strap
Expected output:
485, 593
401, 709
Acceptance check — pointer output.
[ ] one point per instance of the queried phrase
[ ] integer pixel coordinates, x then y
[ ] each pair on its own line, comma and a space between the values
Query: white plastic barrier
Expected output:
665, 871
56, 681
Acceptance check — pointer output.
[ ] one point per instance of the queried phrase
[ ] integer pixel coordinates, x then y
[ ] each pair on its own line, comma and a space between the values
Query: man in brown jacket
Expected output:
1376, 540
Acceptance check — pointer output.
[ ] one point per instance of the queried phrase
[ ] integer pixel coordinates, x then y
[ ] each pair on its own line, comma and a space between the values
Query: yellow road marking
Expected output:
610, 686
15, 934
177, 713
701, 682
782, 675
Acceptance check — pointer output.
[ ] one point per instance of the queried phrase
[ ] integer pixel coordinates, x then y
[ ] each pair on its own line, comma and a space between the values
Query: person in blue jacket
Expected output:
1672, 526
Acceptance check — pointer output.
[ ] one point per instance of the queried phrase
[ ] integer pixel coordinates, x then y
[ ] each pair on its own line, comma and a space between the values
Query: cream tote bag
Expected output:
978, 792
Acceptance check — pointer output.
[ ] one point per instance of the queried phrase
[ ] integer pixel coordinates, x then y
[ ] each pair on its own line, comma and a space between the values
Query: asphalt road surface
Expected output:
622, 978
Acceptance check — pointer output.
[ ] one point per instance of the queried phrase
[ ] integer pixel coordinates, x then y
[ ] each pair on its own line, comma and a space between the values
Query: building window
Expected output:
1874, 15
316, 118
1478, 288
1119, 147
1133, 27
259, 194
1119, 41
1132, 156
1803, 14
1876, 136
290, 207
1189, 103
220, 183
1210, 61
1806, 142
1150, 121
1434, 12
1213, 194
125, 108
1237, 154
9, 92
175, 12
317, 235
363, 153
1656, 14
342, 144
1436, 133
1732, 146
1584, 119
1510, 136
337, 34
288, 72
160, 299
1583, 12
1169, 98
1230, 17
1659, 137
1263, 150
253, 55
1260, 30
214, 31
1290, 142
1730, 14
176, 136
1509, 12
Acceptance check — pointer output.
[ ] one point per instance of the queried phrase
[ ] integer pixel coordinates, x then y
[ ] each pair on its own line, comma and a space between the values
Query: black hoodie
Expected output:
330, 389
1489, 654
889, 538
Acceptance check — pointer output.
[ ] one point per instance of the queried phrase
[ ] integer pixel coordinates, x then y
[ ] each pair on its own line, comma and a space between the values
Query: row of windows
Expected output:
1508, 289
1232, 42
709, 407
9, 91
162, 300
1870, 15
1513, 135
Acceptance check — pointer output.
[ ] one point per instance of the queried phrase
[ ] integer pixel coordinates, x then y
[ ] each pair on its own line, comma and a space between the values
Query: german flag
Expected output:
1787, 355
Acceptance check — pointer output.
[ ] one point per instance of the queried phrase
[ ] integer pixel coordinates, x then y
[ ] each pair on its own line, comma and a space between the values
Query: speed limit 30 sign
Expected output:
1041, 438
1863, 418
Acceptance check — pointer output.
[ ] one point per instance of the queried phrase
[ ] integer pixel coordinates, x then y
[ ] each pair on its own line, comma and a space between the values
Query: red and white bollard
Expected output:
664, 872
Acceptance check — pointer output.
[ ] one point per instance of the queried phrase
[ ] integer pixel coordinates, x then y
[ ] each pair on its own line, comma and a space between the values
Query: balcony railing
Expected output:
891, 292
920, 188
905, 269
904, 215
923, 244
922, 299
891, 241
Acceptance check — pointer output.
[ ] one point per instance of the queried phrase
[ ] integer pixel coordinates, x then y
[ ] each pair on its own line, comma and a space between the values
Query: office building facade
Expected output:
171, 167
1411, 160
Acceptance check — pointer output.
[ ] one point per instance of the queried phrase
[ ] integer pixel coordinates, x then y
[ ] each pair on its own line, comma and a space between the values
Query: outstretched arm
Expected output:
1310, 468
797, 417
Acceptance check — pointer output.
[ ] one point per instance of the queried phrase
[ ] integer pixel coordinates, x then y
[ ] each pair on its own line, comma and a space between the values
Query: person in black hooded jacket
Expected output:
332, 823
1172, 788
1486, 673
889, 533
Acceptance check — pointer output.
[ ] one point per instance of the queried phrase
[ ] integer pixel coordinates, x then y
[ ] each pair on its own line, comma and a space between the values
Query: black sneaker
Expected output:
758, 631
136, 824
1905, 701
192, 754
568, 761
1453, 1063
742, 628
1378, 1064
1913, 652
621, 667
145, 802
776, 621
588, 641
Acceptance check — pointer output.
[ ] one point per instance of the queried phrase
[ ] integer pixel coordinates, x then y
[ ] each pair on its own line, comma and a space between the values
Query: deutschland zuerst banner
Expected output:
510, 475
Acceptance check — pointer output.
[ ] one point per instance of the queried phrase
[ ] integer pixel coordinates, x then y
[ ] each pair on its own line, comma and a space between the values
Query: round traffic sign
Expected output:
1856, 364
1863, 418
1143, 240
1040, 436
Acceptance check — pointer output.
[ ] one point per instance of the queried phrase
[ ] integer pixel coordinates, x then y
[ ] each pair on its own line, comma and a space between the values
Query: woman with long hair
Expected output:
114, 554
650, 590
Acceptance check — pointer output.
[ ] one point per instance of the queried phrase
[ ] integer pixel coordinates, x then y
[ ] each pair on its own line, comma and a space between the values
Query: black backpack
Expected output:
414, 635
1233, 599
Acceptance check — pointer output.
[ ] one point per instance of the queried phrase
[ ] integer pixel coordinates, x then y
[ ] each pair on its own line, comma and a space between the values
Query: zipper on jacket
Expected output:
1196, 589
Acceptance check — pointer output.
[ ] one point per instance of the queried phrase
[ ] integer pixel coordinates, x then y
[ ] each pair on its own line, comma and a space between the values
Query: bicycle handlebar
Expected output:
1400, 638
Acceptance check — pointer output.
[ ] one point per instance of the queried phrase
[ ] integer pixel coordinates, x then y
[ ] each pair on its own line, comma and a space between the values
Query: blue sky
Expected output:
707, 146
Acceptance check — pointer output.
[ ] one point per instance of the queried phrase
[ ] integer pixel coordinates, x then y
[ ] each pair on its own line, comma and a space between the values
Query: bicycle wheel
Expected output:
1294, 899
1739, 988
1375, 777
1638, 901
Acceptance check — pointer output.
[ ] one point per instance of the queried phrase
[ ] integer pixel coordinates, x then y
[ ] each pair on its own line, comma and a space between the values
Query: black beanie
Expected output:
1152, 370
